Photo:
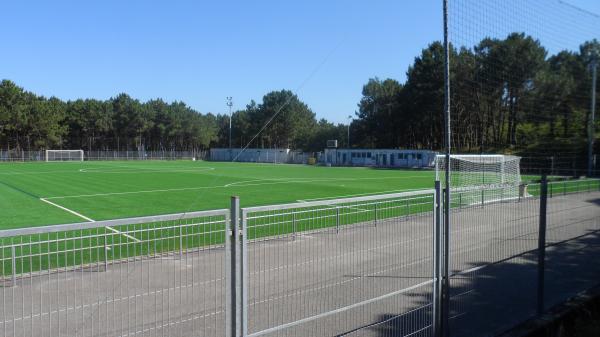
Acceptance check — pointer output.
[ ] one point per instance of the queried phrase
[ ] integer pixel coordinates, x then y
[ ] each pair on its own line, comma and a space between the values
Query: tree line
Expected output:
508, 95
32, 122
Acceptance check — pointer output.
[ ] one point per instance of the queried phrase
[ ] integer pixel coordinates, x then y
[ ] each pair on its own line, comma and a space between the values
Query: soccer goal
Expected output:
481, 178
64, 155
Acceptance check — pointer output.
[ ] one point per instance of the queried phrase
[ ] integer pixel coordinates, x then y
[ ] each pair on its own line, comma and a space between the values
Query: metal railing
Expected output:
95, 155
334, 266
152, 275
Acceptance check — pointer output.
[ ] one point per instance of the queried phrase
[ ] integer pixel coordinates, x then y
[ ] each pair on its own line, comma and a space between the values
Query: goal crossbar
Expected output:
64, 155
496, 174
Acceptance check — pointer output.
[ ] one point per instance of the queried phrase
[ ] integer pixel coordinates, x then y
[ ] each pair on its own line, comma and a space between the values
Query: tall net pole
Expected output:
445, 282
591, 131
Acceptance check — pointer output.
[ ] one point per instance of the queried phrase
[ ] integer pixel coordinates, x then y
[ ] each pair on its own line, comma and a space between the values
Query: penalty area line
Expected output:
89, 219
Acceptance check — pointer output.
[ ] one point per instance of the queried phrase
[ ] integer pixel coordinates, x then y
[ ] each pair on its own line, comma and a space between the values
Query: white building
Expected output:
379, 157
255, 155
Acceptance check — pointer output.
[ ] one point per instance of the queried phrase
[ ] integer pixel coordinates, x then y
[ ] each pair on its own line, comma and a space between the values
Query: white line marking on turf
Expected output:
239, 184
135, 170
89, 219
125, 235
68, 210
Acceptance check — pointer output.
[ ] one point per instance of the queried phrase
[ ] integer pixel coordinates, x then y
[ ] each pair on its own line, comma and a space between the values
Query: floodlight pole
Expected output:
349, 122
592, 119
230, 104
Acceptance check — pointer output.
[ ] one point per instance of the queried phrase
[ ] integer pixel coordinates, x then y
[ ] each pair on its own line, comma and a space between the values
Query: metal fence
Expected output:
22, 155
161, 275
512, 259
330, 268
366, 266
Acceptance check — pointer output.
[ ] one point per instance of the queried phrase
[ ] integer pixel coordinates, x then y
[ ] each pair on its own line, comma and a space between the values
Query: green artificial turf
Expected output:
109, 190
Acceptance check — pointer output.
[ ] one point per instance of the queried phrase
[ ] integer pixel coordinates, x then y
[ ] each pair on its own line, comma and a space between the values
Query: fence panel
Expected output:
494, 253
152, 276
492, 261
573, 239
360, 266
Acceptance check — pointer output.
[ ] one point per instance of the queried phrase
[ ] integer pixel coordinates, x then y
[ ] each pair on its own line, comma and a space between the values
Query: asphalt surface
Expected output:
366, 280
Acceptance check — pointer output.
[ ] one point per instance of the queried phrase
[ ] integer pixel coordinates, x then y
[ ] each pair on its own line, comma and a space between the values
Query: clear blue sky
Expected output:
203, 51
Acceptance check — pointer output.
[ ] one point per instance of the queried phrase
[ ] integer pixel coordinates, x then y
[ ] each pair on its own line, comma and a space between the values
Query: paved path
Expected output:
387, 269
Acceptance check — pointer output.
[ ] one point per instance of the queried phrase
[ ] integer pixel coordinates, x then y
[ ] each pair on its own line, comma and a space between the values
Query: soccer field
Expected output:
36, 194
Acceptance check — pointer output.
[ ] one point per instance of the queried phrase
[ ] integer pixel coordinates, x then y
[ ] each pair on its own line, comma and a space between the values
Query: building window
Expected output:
419, 156
368, 154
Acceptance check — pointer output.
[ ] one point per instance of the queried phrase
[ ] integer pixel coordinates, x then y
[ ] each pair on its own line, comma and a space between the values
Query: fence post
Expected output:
337, 219
13, 252
294, 225
105, 252
376, 214
482, 197
231, 241
180, 242
437, 265
445, 265
542, 245
244, 272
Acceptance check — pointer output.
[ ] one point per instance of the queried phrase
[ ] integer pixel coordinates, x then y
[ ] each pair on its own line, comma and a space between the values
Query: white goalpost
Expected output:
64, 155
481, 178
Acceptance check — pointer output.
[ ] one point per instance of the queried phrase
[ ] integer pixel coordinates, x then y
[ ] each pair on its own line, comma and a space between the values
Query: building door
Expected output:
344, 158
392, 159
384, 160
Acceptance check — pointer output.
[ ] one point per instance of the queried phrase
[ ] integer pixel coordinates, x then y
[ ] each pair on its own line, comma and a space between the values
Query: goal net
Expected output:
64, 155
481, 178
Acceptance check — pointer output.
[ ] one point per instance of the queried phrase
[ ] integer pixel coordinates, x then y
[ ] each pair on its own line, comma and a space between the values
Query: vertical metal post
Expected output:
445, 285
482, 197
180, 242
233, 311
13, 252
337, 219
591, 121
229, 273
244, 272
542, 245
437, 262
230, 104
294, 225
105, 252
375, 214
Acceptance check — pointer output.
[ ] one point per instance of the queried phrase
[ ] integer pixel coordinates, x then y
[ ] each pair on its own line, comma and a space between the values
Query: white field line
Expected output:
244, 183
68, 210
136, 170
89, 219
124, 234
